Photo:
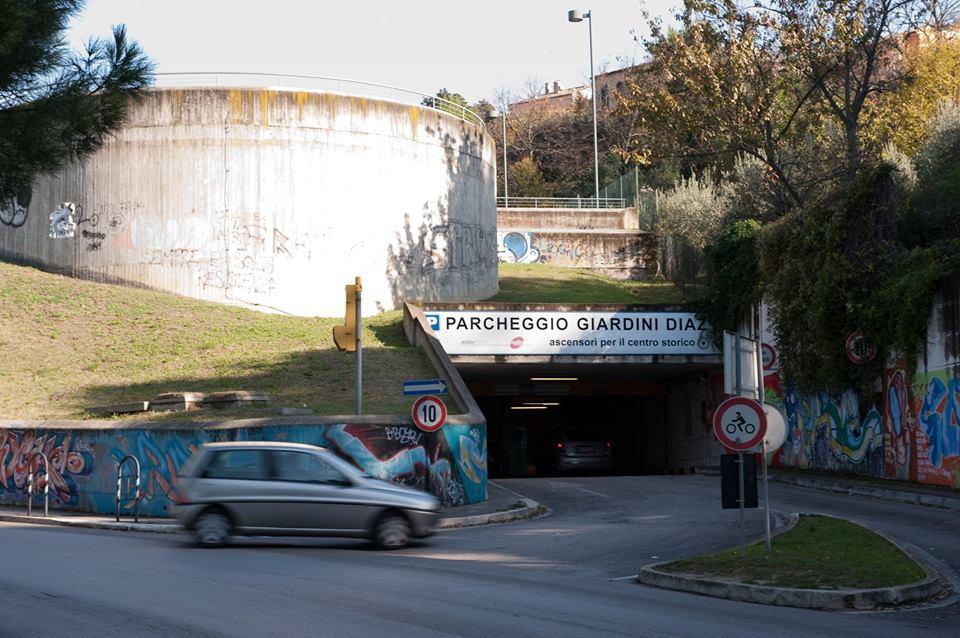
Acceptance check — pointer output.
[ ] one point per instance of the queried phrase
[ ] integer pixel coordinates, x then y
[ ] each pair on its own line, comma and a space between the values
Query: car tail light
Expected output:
559, 445
607, 449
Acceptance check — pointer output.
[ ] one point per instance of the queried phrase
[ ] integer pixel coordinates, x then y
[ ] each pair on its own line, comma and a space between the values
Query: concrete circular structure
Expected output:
273, 199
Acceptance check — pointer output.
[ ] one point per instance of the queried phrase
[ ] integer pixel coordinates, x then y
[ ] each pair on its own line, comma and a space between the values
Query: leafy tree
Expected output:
57, 105
528, 179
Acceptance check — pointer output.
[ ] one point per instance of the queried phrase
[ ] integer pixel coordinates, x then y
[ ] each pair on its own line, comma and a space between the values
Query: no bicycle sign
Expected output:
739, 423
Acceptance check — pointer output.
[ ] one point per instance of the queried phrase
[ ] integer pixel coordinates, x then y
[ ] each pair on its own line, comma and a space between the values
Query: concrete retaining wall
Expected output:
274, 200
579, 218
911, 433
619, 254
450, 463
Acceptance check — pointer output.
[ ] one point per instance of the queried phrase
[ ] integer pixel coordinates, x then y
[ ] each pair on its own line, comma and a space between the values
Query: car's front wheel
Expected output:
392, 531
212, 528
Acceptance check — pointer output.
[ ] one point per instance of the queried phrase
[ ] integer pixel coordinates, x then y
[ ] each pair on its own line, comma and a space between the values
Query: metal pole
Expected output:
359, 370
593, 85
743, 538
506, 186
30, 492
766, 493
740, 481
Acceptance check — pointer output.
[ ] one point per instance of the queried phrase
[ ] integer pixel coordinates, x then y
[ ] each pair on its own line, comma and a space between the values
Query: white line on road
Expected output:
577, 487
633, 577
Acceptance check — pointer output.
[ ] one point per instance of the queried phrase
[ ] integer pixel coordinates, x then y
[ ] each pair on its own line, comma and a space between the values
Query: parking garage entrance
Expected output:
586, 389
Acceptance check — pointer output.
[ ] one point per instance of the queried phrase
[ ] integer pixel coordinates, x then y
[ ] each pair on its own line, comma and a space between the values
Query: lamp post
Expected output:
506, 188
575, 15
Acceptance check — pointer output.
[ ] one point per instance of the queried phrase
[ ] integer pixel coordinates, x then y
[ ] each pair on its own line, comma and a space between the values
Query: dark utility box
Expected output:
729, 480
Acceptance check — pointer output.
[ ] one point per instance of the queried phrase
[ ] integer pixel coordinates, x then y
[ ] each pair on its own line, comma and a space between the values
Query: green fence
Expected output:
627, 187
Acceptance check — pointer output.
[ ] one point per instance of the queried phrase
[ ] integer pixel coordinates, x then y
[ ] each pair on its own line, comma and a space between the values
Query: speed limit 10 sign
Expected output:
429, 413
739, 423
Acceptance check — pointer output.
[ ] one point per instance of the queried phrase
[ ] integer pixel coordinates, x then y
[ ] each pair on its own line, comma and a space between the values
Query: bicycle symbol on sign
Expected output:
739, 424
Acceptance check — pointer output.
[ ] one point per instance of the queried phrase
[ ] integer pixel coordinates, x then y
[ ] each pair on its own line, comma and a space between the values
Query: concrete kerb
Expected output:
828, 485
871, 599
93, 523
531, 510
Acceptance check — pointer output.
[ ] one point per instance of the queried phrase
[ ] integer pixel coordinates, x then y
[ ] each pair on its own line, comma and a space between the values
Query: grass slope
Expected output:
541, 283
66, 344
819, 553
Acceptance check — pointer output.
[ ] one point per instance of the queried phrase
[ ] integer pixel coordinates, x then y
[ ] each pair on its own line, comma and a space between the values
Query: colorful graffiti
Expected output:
70, 461
937, 432
828, 432
451, 463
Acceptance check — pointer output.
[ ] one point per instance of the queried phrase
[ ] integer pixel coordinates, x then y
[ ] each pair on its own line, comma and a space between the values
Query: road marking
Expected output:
633, 577
577, 487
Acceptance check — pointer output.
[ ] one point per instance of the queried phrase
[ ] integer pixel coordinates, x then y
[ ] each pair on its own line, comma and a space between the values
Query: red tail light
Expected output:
559, 445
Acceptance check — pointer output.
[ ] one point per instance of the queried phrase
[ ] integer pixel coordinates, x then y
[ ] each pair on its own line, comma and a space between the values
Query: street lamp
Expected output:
575, 15
506, 188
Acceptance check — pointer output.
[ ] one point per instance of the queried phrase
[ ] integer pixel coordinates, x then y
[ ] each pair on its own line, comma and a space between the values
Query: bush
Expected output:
732, 283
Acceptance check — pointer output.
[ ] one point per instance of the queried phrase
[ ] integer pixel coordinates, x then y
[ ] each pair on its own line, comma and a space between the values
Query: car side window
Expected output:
305, 468
237, 464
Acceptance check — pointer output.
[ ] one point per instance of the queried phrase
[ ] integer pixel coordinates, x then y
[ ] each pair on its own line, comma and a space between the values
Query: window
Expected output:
304, 467
237, 464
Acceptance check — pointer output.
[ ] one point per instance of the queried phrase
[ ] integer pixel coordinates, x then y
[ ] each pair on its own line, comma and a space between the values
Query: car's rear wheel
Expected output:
212, 528
392, 531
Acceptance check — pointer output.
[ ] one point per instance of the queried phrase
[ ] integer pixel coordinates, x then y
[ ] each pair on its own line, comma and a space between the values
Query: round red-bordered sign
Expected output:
859, 350
769, 357
429, 413
739, 423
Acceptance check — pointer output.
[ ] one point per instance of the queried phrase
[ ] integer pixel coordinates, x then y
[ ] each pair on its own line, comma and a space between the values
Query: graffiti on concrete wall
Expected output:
13, 211
515, 247
937, 409
62, 223
457, 247
83, 464
898, 424
828, 432
70, 459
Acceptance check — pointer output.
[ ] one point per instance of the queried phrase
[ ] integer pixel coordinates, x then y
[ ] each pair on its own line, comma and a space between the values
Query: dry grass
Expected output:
66, 344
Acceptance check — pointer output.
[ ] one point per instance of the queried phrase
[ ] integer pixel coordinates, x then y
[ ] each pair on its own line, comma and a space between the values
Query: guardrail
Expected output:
561, 202
323, 83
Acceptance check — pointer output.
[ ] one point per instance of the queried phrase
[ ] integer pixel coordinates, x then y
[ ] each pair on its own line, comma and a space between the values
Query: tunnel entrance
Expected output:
590, 419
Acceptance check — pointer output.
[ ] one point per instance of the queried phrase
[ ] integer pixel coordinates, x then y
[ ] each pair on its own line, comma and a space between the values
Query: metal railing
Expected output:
560, 202
322, 83
136, 493
46, 484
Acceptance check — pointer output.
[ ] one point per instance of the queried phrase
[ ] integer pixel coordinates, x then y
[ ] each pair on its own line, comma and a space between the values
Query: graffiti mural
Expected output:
62, 223
70, 458
937, 409
451, 463
13, 212
514, 247
898, 424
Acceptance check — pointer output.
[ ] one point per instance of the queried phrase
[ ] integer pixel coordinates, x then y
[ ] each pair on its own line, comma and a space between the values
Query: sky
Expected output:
471, 48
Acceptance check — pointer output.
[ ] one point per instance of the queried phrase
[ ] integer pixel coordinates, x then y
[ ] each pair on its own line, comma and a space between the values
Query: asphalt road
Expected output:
549, 577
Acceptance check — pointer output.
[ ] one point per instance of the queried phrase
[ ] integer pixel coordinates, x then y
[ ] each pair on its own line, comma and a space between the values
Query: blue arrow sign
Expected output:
424, 386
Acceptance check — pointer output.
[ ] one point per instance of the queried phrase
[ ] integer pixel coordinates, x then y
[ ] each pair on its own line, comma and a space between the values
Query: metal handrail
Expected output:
394, 93
46, 484
137, 494
561, 202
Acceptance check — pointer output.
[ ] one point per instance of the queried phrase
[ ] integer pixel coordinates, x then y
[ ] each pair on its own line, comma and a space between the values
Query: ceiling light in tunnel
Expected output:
528, 407
542, 403
554, 379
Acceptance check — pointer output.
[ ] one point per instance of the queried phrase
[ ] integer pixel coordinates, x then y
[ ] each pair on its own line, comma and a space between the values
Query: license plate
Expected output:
586, 450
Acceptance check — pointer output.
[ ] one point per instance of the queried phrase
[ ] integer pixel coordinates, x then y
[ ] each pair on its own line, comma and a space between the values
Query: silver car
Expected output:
289, 489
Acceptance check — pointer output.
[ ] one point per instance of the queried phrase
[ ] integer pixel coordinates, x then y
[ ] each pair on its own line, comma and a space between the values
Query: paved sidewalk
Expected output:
884, 489
501, 506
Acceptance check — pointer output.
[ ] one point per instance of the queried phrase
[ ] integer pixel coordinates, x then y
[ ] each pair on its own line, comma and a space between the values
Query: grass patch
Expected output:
541, 283
819, 553
68, 344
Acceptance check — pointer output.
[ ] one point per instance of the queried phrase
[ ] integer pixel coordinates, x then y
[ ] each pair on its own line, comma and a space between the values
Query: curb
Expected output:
156, 528
828, 485
834, 599
531, 510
